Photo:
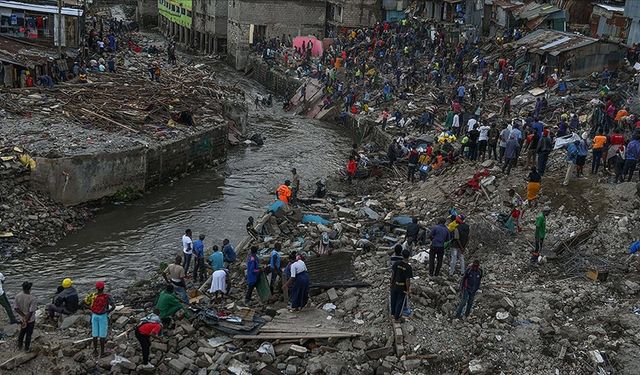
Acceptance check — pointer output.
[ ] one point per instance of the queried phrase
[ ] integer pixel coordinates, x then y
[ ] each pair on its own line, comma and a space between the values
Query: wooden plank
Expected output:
108, 119
298, 330
286, 336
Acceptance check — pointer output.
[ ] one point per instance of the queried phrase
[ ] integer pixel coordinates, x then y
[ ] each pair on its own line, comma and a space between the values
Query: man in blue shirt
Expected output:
229, 253
439, 236
461, 91
199, 272
274, 263
538, 127
216, 260
631, 157
253, 273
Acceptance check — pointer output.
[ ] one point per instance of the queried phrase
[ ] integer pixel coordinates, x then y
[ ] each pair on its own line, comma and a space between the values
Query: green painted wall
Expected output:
177, 11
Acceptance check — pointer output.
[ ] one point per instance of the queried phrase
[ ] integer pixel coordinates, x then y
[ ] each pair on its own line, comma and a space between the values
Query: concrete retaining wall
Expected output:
83, 178
272, 79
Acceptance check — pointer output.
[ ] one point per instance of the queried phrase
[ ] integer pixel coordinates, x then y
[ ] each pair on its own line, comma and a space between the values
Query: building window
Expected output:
183, 11
189, 13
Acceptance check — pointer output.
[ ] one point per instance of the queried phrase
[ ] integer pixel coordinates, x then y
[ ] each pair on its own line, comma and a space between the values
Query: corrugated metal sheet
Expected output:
535, 10
554, 42
335, 270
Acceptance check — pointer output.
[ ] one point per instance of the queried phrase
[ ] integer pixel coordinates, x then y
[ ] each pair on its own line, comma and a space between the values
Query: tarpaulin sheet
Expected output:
316, 50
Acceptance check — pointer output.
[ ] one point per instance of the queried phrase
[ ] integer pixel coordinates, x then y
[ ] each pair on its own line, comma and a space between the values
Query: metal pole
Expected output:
60, 28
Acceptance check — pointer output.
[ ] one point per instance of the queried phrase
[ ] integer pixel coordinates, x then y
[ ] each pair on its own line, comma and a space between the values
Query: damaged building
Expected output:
608, 21
352, 14
210, 25
252, 20
581, 53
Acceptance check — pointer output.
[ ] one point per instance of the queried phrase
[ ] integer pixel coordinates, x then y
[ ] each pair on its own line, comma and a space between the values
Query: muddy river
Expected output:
125, 242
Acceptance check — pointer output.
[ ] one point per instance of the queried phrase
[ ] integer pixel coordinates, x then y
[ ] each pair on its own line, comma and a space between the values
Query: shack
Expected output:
535, 16
582, 54
608, 22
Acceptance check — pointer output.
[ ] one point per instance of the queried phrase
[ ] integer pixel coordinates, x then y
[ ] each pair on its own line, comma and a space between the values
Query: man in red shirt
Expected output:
149, 325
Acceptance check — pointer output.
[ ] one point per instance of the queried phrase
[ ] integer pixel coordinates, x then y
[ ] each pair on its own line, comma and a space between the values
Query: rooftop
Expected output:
611, 8
554, 42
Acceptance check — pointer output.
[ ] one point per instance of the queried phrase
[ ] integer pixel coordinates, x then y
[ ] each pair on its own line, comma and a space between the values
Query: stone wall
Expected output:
82, 178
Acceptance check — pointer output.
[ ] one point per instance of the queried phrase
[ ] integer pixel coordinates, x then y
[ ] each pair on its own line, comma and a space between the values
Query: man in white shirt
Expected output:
4, 301
187, 249
455, 124
483, 140
470, 124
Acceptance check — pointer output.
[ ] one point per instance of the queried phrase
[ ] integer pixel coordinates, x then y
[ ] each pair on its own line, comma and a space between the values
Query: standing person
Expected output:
187, 249
439, 235
26, 306
401, 274
4, 301
412, 160
494, 137
150, 325
502, 143
413, 232
468, 287
295, 188
352, 167
275, 261
473, 135
581, 158
385, 118
299, 282
198, 260
597, 149
483, 140
541, 233
545, 146
631, 157
286, 286
174, 274
102, 305
459, 244
253, 273
229, 253
571, 159
392, 153
510, 154
303, 92
397, 255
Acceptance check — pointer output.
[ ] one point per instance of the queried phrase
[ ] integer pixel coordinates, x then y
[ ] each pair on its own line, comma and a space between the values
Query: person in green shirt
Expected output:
168, 304
541, 232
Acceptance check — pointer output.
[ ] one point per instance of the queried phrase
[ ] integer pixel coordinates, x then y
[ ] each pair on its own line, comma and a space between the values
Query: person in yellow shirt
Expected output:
597, 148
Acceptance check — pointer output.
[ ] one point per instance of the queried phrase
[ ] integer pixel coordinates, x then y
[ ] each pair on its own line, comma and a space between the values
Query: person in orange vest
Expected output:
283, 192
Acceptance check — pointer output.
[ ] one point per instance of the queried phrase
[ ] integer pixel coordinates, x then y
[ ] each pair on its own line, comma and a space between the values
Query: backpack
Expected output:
100, 304
88, 299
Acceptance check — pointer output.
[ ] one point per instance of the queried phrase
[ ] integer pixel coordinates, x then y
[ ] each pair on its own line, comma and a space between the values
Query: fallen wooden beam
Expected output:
108, 119
18, 360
